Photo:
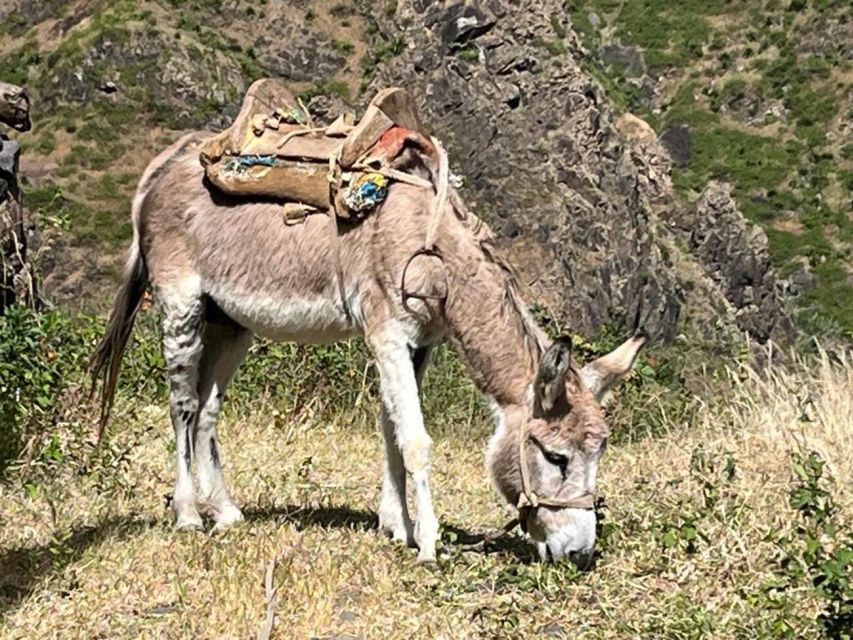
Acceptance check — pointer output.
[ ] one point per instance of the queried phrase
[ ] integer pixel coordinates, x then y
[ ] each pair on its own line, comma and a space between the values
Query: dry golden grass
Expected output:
93, 555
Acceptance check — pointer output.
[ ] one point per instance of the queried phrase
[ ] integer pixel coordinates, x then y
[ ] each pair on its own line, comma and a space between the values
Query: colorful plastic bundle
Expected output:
366, 191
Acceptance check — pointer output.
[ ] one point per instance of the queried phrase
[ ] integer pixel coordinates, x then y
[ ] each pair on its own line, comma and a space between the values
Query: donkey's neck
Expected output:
491, 328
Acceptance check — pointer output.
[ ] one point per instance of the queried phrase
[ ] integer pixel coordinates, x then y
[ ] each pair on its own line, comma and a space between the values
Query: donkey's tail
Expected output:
106, 361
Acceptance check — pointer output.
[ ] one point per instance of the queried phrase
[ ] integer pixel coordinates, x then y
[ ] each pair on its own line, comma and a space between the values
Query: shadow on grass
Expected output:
24, 566
341, 517
304, 517
484, 543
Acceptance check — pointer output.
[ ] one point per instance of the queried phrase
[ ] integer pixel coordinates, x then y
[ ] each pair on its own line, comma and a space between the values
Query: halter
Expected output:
529, 502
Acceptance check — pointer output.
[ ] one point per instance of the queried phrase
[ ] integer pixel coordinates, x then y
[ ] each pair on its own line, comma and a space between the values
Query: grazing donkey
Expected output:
223, 269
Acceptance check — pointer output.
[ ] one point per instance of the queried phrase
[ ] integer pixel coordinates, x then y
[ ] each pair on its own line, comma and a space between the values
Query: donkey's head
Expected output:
545, 459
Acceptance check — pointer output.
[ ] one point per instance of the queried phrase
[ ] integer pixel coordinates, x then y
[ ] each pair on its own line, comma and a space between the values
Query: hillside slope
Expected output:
757, 93
579, 191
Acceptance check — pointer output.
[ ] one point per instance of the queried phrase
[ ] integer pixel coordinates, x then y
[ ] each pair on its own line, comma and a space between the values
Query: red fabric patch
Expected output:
393, 141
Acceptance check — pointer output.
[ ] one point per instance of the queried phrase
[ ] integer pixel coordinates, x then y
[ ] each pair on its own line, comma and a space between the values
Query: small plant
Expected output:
828, 549
36, 353
818, 551
329, 87
684, 533
384, 50
344, 47
468, 54
553, 47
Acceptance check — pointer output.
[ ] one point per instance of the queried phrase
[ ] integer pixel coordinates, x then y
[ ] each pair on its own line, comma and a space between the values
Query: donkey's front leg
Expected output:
393, 511
401, 403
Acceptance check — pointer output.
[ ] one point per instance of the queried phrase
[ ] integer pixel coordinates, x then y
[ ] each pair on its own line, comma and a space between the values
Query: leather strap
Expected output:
439, 203
529, 500
334, 177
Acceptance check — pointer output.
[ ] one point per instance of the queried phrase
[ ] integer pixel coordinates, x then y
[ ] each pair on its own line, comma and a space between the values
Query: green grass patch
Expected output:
344, 47
750, 161
93, 226
468, 54
553, 47
15, 66
329, 87
672, 34
383, 49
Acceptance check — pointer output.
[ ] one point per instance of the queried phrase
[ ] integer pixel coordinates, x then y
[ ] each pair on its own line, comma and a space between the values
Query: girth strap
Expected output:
439, 203
334, 183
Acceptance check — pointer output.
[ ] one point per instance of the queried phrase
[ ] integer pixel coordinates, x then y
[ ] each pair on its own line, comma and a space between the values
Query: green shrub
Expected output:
39, 361
44, 381
818, 552
383, 49
328, 87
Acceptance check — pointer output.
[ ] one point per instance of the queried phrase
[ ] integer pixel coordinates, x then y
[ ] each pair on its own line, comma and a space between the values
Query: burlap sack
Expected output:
272, 150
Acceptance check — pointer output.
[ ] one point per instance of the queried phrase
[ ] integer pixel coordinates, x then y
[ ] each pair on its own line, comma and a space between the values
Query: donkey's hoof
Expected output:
189, 522
227, 517
426, 557
399, 533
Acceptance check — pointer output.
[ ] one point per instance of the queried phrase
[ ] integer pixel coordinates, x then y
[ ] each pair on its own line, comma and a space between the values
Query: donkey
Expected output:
223, 269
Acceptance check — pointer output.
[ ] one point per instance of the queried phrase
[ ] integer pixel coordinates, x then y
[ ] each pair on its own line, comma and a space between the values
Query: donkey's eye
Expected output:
557, 459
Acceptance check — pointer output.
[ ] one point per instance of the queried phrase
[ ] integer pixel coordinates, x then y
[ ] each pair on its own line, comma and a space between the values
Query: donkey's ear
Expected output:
600, 375
550, 383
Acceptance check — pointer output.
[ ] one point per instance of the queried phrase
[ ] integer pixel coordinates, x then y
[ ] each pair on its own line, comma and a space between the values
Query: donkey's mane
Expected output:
513, 307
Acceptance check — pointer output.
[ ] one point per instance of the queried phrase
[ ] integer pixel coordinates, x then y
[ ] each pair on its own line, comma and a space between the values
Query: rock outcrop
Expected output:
580, 197
17, 283
734, 253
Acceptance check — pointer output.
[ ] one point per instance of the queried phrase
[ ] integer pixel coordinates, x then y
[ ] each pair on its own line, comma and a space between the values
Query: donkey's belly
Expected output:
306, 318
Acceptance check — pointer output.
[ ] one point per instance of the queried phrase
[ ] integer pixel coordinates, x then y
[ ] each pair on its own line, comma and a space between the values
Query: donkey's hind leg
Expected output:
225, 346
183, 310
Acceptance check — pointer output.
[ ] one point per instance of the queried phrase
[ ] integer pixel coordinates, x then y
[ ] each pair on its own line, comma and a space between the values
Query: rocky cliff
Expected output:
581, 200
578, 191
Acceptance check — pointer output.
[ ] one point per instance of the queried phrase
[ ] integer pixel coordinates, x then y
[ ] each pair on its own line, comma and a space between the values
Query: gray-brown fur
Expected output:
280, 281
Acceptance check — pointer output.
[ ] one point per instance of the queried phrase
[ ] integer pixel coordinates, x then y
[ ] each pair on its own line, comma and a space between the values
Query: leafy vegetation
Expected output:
325, 88
819, 550
383, 49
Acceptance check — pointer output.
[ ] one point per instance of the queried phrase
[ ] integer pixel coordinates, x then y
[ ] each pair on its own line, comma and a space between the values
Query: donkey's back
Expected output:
275, 278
